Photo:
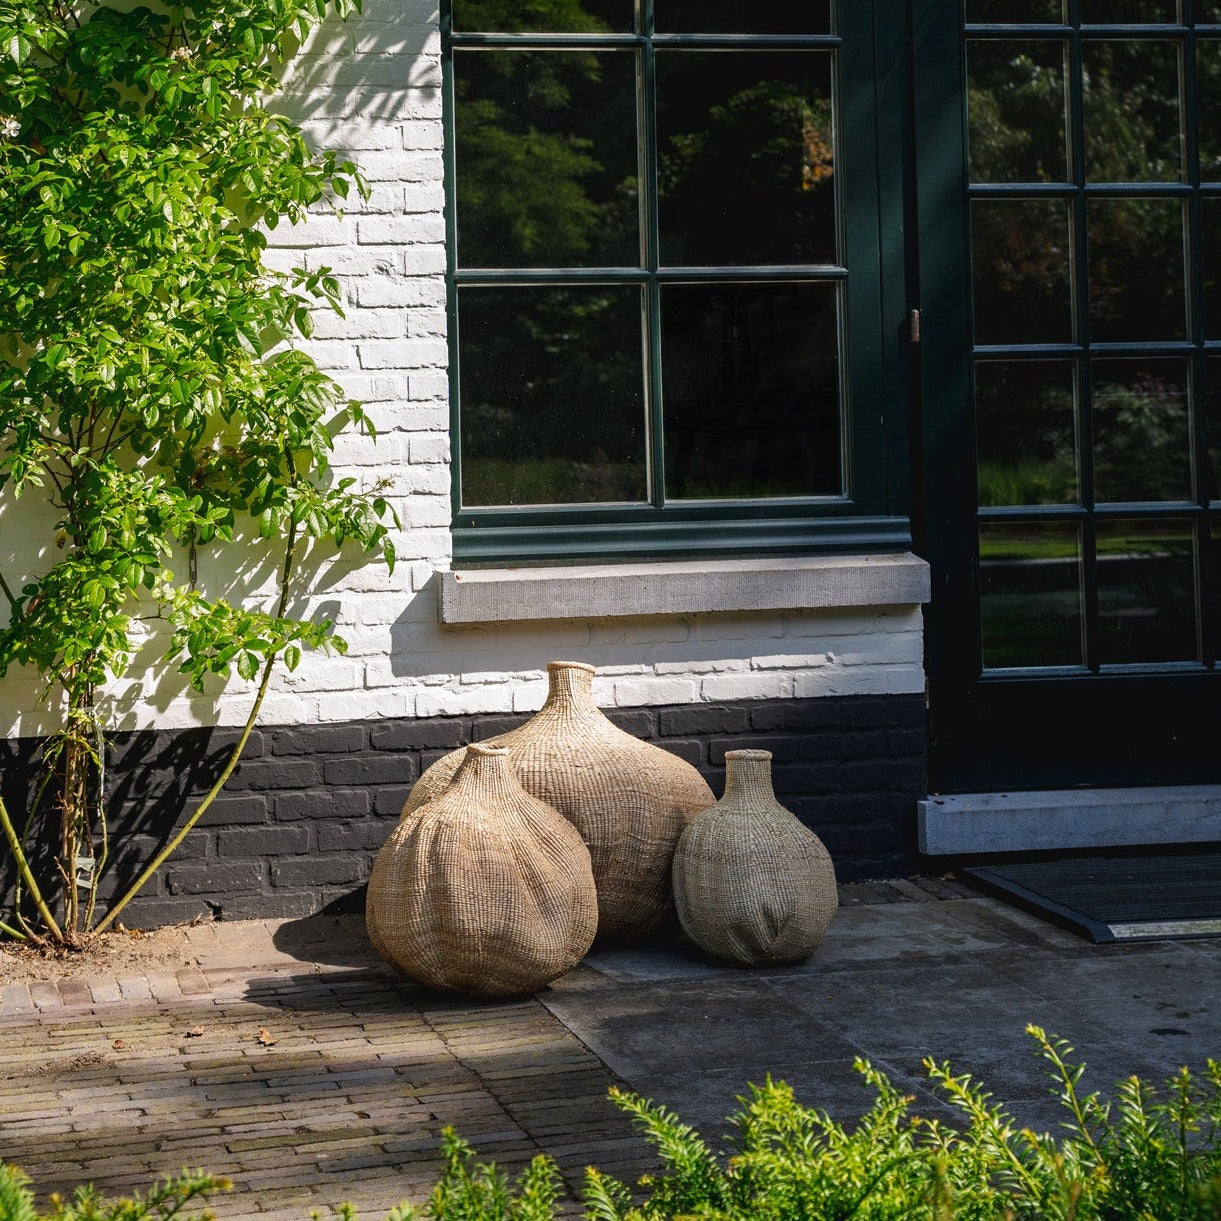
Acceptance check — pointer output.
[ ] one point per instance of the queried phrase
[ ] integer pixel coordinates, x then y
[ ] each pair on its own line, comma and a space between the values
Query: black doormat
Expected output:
1115, 898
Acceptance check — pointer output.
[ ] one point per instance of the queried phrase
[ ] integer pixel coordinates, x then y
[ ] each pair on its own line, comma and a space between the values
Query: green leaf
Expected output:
19, 47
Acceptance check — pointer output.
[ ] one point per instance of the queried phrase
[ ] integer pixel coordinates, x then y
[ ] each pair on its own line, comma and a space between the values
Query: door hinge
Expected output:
913, 326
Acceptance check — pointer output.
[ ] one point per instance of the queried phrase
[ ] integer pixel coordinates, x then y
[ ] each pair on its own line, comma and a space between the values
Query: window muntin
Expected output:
702, 173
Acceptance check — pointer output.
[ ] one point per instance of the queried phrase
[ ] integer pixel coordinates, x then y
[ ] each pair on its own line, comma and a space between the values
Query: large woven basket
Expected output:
485, 890
630, 800
752, 884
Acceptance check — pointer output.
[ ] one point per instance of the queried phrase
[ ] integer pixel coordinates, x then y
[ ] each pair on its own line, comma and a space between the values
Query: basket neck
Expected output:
570, 689
487, 770
748, 777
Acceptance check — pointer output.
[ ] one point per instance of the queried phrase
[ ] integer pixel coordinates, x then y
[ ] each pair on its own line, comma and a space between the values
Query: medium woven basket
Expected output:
752, 884
630, 800
485, 890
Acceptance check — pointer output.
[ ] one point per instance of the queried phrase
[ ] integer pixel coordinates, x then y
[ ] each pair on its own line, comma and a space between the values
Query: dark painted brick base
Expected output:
297, 827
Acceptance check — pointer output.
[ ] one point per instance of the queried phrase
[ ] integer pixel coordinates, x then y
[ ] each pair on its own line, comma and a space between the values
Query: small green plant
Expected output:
162, 1201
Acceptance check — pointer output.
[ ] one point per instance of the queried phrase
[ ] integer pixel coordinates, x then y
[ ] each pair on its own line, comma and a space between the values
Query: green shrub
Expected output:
163, 1200
1145, 1155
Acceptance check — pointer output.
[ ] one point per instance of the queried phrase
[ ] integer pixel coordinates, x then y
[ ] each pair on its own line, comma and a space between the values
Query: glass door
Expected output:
1069, 189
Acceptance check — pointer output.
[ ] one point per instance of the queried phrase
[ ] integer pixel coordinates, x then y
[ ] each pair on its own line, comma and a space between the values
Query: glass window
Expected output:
1133, 124
545, 159
552, 393
1012, 12
1026, 429
1136, 270
1146, 592
544, 16
1030, 594
750, 390
1016, 108
746, 170
1142, 433
1022, 259
650, 291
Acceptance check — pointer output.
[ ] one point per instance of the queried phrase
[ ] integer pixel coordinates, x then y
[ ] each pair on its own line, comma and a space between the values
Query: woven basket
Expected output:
486, 890
752, 884
630, 800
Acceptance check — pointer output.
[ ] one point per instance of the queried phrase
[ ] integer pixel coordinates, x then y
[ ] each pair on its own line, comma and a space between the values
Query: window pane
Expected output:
1146, 592
1128, 12
1015, 101
1021, 252
546, 158
1208, 87
1208, 11
1009, 12
750, 385
1211, 475
1133, 129
1142, 442
551, 386
1136, 269
1030, 594
746, 169
734, 17
551, 16
1211, 297
1026, 415
1214, 584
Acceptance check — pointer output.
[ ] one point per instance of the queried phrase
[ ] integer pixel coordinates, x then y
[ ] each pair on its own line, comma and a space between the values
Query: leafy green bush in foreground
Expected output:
1144, 1155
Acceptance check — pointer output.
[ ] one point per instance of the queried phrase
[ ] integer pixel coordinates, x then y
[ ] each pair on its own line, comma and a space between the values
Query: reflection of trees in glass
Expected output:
556, 16
1030, 594
1141, 443
1022, 261
1016, 106
1136, 265
750, 379
1146, 592
1132, 134
1025, 425
1011, 11
546, 158
1132, 115
746, 171
552, 395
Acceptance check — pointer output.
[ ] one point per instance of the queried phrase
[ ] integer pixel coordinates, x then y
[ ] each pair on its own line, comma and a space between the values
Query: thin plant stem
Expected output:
165, 853
23, 866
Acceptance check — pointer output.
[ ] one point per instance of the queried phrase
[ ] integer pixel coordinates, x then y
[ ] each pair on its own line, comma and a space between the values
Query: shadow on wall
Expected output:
381, 65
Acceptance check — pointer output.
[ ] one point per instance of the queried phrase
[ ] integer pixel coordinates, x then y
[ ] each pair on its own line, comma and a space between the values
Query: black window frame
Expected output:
871, 134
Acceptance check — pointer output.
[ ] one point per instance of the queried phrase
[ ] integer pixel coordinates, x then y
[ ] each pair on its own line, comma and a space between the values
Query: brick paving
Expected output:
307, 1082
289, 1057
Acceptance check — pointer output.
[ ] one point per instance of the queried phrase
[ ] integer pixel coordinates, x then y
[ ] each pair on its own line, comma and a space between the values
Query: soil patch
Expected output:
113, 953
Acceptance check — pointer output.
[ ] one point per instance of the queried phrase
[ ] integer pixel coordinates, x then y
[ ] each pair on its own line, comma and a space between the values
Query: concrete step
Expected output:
968, 824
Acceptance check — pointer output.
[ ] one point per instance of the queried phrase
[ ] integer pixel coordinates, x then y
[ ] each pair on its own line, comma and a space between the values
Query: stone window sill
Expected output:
517, 595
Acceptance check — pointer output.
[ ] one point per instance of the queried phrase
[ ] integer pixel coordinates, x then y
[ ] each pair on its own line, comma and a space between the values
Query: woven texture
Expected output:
630, 800
486, 890
752, 884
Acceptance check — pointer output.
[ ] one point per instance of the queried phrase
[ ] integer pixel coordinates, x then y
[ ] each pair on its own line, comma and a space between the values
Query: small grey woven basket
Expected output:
752, 885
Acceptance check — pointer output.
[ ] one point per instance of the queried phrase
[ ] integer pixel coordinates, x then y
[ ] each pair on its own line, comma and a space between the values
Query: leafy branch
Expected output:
150, 392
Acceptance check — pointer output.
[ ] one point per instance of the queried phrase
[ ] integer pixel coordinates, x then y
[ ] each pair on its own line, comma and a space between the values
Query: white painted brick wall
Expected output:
370, 88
